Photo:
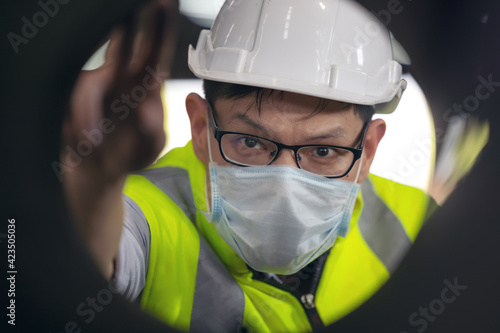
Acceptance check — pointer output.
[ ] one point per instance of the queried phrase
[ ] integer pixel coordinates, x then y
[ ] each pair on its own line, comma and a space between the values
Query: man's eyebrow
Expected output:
243, 118
337, 132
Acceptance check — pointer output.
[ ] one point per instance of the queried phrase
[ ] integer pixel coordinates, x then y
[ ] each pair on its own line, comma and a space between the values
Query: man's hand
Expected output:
115, 123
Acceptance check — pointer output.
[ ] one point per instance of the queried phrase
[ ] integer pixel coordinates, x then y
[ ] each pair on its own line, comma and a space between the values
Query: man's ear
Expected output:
197, 109
374, 134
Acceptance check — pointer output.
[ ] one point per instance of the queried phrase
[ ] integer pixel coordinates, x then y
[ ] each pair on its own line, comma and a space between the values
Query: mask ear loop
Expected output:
359, 169
208, 140
208, 212
355, 190
362, 153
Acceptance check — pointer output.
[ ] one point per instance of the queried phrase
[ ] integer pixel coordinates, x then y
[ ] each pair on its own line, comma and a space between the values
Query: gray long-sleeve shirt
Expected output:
132, 260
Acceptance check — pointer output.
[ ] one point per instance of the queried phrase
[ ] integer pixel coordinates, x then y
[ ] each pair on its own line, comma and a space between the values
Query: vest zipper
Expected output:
307, 302
307, 299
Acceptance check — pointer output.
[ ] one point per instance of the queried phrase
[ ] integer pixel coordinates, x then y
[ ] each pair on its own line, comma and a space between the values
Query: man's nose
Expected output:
286, 157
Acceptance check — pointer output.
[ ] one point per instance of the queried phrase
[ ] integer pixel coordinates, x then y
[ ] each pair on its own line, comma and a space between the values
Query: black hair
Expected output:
215, 90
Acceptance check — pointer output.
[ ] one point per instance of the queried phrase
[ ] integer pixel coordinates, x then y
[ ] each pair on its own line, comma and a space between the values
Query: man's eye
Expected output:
323, 152
250, 142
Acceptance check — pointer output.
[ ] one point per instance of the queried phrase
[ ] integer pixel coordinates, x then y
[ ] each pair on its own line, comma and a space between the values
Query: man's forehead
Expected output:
285, 104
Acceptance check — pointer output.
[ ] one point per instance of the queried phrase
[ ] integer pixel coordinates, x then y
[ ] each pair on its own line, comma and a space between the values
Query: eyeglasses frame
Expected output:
219, 133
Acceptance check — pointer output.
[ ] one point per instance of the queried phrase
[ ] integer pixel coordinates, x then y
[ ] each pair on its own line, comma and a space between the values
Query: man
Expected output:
268, 220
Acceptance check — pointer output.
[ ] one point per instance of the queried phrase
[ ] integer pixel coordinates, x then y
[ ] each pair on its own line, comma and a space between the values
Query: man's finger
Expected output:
158, 28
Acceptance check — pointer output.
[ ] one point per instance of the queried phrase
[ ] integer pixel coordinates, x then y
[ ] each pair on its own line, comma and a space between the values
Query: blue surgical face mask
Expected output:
278, 218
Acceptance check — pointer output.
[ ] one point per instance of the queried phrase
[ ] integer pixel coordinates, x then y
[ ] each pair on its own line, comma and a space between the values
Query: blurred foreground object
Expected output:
464, 140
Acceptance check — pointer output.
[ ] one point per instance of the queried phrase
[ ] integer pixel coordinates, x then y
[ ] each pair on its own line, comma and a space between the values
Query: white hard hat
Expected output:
333, 49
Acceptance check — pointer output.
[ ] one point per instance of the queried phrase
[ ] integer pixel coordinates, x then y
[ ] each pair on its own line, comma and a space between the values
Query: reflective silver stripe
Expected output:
382, 230
219, 302
174, 182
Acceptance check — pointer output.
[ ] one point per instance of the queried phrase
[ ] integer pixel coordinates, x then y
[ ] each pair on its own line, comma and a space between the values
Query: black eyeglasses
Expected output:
251, 150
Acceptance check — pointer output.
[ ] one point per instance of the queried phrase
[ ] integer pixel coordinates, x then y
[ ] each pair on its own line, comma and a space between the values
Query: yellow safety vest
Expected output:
196, 282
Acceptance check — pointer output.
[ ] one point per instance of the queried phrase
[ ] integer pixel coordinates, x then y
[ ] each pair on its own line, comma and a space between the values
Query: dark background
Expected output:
450, 42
